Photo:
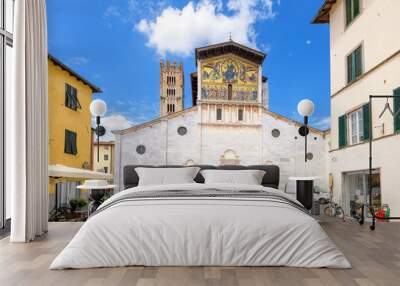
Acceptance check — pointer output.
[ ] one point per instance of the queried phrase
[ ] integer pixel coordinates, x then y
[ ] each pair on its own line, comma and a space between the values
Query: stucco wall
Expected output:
105, 149
376, 27
382, 81
62, 117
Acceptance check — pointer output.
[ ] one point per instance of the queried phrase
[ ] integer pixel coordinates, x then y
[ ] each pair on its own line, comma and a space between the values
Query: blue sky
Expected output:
118, 45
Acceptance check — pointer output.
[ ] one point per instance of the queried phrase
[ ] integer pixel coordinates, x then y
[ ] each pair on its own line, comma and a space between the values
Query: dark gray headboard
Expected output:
270, 179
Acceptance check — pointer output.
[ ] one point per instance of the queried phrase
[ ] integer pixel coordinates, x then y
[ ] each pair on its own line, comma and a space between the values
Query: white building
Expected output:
229, 122
365, 60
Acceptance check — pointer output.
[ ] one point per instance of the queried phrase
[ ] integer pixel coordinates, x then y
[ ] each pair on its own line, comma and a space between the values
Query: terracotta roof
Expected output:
322, 16
230, 47
74, 74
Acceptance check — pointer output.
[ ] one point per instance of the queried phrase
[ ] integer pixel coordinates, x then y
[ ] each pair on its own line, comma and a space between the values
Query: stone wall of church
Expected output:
275, 141
163, 144
283, 146
229, 144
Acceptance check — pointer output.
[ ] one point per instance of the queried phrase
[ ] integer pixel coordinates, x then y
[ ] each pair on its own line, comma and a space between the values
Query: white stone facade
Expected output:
229, 124
222, 143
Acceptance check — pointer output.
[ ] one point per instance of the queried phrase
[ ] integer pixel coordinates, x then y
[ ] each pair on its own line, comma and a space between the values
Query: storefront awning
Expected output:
61, 171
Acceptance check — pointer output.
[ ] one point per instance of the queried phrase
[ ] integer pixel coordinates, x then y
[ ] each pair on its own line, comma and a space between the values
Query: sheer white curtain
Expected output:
27, 123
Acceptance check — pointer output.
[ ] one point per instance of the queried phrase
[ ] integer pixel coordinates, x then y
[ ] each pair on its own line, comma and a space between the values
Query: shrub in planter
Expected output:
76, 204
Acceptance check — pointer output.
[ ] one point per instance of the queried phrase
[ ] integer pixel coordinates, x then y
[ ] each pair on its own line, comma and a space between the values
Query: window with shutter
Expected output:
396, 103
71, 97
358, 62
354, 65
70, 142
356, 127
352, 10
342, 131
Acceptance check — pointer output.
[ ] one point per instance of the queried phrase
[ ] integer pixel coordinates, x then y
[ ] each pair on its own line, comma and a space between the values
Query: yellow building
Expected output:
106, 157
70, 132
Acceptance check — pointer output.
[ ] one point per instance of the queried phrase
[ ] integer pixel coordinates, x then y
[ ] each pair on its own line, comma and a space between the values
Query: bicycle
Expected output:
333, 209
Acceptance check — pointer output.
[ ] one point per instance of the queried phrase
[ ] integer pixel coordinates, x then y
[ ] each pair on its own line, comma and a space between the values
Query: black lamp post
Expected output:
370, 205
305, 109
98, 108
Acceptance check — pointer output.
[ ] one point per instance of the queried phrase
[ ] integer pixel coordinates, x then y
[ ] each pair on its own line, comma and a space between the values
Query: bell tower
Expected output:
171, 87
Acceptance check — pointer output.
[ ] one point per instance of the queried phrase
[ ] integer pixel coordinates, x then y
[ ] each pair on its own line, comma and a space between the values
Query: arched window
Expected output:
229, 92
189, 162
229, 158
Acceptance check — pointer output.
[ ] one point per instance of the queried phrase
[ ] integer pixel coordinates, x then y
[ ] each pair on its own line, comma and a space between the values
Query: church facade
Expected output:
229, 121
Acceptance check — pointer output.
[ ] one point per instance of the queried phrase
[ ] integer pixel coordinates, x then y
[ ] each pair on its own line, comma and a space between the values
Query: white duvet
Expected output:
200, 231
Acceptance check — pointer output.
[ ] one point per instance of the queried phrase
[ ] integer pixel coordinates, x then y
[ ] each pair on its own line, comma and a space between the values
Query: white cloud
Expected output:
135, 9
112, 11
322, 123
308, 42
79, 60
113, 122
266, 48
179, 31
147, 8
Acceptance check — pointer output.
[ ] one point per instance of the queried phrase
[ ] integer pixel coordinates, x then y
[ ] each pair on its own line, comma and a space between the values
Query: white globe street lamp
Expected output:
305, 109
98, 108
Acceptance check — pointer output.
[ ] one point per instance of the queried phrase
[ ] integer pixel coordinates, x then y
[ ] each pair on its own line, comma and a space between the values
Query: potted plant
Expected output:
77, 204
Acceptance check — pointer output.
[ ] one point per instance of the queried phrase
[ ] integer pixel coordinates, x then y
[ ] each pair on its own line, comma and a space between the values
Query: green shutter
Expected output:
358, 62
70, 143
396, 102
366, 121
356, 8
349, 68
73, 143
354, 64
348, 12
342, 131
352, 10
67, 104
66, 143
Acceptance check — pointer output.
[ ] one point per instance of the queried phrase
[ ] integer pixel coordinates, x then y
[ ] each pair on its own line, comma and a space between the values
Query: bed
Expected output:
201, 224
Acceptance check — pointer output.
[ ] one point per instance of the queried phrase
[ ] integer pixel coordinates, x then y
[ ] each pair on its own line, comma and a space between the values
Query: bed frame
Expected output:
270, 179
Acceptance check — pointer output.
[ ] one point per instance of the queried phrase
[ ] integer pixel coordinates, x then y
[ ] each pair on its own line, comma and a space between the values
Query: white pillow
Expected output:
248, 177
166, 176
